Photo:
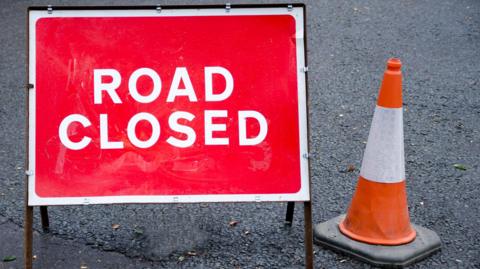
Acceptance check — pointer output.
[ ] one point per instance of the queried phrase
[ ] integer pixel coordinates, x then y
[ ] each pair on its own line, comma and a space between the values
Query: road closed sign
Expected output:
150, 105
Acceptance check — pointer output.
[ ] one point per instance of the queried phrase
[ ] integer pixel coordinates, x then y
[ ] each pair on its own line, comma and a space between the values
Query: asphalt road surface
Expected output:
349, 43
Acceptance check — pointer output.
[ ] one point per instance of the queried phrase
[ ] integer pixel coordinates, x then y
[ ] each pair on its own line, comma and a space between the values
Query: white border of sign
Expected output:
302, 195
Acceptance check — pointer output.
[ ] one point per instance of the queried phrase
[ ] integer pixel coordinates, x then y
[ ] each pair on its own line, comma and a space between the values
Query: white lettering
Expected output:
242, 127
99, 86
132, 135
104, 143
175, 126
181, 74
132, 85
63, 132
210, 127
209, 95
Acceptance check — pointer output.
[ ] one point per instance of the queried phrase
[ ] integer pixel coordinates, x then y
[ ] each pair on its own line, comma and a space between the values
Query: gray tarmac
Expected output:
349, 43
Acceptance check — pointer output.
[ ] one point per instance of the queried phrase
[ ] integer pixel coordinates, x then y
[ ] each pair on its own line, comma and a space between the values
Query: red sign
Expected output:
179, 106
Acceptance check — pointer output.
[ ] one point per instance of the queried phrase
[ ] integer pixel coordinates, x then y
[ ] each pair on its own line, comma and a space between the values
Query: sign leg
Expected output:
28, 236
44, 217
308, 235
289, 215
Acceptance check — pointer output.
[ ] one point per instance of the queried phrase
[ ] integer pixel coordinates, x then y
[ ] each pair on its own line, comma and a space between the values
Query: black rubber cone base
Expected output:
426, 243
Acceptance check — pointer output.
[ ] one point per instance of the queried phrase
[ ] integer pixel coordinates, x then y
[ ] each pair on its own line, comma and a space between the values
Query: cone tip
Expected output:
394, 64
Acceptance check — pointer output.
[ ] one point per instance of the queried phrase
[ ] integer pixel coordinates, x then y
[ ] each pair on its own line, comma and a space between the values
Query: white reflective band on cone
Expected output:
383, 160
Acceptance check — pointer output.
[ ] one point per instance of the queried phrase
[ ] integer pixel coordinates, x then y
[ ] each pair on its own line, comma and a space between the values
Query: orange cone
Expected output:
378, 213
377, 226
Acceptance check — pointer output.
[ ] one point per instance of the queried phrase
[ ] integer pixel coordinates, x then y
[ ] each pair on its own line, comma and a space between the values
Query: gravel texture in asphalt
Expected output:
349, 43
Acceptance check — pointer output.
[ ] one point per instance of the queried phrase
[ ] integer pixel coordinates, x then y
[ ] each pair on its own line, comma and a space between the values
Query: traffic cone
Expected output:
378, 213
377, 226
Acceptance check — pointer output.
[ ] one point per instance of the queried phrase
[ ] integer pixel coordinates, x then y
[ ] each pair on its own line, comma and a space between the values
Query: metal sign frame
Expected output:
296, 12
31, 199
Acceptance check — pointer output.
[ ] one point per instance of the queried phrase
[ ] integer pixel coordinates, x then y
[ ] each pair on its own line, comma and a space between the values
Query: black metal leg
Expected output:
289, 215
308, 235
28, 237
44, 217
